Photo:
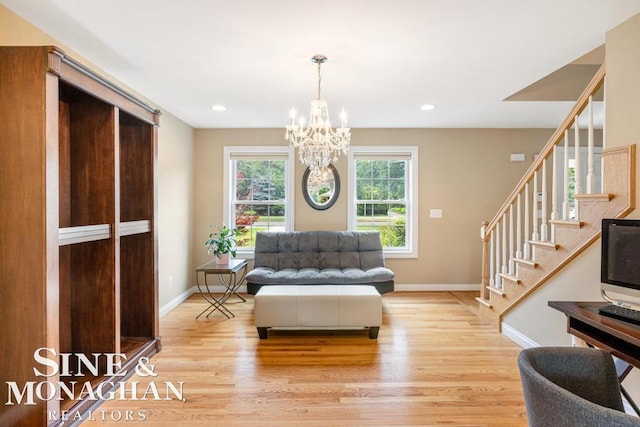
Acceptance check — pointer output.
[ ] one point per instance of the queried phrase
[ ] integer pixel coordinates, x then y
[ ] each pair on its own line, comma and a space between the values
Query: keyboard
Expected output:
621, 313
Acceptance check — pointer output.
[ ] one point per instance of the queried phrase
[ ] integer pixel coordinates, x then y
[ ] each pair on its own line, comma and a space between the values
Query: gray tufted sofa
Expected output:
319, 258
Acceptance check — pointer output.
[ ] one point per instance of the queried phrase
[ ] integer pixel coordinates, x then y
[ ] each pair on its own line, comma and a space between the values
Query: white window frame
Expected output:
257, 152
411, 251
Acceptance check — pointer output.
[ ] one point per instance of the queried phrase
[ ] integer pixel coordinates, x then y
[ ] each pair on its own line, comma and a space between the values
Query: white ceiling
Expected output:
386, 58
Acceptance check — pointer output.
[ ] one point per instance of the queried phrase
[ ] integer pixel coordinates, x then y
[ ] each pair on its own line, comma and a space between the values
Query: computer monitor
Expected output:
620, 262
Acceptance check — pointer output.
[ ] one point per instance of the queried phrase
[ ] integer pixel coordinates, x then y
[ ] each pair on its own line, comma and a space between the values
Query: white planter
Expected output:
222, 259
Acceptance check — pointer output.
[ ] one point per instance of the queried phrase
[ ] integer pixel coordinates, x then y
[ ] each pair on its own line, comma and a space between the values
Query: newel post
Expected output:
484, 292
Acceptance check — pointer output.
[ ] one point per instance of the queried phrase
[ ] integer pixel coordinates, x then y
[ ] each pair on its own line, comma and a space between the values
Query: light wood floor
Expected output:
435, 362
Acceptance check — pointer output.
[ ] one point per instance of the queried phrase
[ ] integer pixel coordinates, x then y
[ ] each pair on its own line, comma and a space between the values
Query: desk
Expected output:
621, 339
230, 276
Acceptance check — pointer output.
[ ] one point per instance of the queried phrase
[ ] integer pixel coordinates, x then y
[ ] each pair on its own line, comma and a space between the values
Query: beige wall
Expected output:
175, 206
15, 31
464, 172
175, 161
623, 89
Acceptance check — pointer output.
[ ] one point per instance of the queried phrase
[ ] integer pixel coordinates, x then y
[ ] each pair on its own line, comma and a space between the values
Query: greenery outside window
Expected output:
257, 192
383, 196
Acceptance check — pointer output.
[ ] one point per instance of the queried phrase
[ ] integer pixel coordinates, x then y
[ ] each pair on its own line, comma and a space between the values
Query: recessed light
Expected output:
218, 107
427, 107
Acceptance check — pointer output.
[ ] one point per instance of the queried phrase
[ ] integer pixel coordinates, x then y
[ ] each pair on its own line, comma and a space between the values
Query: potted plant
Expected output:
222, 243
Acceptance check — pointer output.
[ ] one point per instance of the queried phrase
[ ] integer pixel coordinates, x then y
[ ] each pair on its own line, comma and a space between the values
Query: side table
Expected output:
230, 276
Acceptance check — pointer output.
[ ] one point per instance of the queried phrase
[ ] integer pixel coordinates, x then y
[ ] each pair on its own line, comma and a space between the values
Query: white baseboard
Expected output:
420, 287
515, 336
177, 301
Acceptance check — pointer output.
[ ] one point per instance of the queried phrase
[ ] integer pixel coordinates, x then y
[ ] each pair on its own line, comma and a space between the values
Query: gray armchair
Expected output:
572, 386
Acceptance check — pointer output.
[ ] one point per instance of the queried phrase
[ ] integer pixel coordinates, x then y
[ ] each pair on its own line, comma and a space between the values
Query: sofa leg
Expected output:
373, 332
262, 333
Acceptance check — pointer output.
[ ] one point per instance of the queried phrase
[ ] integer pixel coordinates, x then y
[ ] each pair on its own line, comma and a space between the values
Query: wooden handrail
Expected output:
594, 85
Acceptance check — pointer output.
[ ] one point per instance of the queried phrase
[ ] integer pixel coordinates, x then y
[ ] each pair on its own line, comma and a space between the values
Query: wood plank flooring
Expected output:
435, 362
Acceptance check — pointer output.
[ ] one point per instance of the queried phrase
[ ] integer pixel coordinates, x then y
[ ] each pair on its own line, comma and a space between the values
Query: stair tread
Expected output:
566, 223
484, 302
542, 244
496, 291
527, 262
510, 277
601, 197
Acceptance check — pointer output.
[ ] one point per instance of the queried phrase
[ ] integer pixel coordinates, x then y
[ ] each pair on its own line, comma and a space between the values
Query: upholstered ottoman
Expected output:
318, 307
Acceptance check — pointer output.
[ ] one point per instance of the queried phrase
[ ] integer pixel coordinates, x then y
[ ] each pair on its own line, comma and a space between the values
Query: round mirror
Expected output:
321, 187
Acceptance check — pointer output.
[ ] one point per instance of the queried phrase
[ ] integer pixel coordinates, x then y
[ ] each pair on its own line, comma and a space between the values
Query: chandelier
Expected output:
318, 144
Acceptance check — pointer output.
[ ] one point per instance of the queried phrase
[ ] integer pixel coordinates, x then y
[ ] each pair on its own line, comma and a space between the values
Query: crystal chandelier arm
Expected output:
318, 144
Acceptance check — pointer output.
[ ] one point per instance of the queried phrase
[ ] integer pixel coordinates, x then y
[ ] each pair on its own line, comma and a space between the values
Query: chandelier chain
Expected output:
319, 78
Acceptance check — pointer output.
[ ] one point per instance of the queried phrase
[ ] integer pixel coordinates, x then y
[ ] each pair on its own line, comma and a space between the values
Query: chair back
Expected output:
572, 386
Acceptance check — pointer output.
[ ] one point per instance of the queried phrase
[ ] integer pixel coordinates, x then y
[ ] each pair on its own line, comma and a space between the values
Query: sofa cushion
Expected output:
318, 249
313, 276
371, 260
288, 242
369, 241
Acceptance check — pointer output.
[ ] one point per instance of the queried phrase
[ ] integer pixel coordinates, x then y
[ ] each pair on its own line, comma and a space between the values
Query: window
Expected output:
383, 196
258, 185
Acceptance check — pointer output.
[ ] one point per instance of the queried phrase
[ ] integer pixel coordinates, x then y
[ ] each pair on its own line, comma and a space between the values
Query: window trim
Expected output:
412, 192
257, 152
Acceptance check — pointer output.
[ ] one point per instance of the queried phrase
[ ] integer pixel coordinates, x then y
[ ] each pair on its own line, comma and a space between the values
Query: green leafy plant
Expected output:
394, 235
222, 242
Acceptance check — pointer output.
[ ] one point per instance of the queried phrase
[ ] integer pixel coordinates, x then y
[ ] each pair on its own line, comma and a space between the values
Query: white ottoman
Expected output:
318, 307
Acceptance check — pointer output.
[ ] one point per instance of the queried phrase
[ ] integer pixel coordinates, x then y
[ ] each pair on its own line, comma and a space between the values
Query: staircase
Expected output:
555, 211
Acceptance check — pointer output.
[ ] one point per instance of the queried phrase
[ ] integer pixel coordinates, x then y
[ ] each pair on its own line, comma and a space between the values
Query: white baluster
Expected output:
577, 182
554, 193
527, 246
544, 231
498, 278
565, 198
511, 241
535, 236
492, 266
519, 227
604, 144
591, 178
504, 243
